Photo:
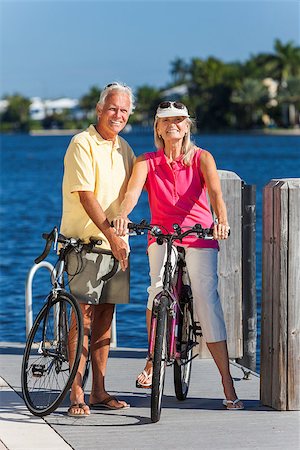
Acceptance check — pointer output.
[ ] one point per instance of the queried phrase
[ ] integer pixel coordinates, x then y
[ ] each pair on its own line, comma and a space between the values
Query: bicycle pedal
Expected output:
197, 330
38, 370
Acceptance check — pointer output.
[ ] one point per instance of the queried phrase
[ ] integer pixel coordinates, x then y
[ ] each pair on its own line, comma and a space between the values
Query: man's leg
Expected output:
77, 394
100, 342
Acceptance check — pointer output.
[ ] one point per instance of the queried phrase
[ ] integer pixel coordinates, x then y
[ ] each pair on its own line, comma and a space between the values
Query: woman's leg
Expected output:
157, 258
219, 353
144, 379
202, 269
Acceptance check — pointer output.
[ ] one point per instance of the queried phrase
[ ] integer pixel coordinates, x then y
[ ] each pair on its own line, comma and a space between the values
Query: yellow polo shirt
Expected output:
93, 164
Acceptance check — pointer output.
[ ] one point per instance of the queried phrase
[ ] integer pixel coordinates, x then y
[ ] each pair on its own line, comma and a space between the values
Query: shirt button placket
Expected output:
175, 183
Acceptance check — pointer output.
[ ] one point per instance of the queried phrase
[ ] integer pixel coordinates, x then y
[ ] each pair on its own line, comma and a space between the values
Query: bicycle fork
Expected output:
172, 331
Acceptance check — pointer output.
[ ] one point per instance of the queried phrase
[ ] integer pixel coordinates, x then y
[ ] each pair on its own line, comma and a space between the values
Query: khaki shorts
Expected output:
87, 271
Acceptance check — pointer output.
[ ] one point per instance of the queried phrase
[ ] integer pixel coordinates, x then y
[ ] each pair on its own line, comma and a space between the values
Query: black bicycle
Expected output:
174, 331
54, 345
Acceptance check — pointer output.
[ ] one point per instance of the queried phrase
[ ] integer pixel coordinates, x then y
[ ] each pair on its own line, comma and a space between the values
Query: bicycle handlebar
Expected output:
155, 231
56, 237
51, 237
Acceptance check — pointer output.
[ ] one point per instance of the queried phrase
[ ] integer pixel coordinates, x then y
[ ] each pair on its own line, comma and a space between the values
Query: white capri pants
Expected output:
202, 269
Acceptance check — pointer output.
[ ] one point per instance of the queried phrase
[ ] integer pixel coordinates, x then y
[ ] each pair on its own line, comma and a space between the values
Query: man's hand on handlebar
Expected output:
119, 249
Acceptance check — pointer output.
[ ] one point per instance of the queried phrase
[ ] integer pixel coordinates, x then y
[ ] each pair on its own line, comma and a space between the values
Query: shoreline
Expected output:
258, 132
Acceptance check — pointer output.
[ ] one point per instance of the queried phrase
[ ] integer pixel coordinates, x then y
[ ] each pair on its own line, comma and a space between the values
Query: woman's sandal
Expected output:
147, 384
234, 403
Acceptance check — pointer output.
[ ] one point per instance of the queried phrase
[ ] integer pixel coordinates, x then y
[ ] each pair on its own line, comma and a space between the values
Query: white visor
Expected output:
171, 109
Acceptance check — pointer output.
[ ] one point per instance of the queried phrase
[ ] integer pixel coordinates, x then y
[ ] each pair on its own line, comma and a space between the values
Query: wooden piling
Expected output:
230, 267
280, 324
249, 276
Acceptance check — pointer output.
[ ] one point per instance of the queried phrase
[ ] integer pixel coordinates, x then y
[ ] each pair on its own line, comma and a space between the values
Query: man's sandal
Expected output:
75, 406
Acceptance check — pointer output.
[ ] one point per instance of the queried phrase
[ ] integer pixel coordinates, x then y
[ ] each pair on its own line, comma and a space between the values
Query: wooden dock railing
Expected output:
280, 325
230, 271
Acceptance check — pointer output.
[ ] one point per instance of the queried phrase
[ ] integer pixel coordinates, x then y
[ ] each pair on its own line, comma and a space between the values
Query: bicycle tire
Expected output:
46, 372
183, 366
159, 359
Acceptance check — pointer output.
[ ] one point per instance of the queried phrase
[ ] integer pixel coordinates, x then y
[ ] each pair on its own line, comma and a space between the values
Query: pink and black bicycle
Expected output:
174, 331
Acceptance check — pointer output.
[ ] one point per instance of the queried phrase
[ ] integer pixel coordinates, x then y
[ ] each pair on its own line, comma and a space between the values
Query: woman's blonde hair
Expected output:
188, 148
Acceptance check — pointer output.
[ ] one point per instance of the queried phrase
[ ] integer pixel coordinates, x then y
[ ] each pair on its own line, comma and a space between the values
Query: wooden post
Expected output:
280, 325
230, 268
249, 276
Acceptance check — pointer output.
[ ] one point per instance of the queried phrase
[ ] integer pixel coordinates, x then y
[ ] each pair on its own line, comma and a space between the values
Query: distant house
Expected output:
3, 106
37, 109
175, 93
40, 109
272, 86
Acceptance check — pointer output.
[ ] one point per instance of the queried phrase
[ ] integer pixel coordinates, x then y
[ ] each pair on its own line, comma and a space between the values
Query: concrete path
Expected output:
19, 430
199, 422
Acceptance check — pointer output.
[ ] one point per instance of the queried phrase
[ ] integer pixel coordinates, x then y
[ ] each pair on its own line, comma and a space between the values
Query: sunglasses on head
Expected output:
115, 84
177, 105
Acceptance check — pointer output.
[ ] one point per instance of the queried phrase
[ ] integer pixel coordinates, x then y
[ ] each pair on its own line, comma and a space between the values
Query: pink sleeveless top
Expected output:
177, 194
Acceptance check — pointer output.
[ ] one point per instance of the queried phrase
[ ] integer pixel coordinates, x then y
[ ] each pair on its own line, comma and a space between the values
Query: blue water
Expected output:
32, 168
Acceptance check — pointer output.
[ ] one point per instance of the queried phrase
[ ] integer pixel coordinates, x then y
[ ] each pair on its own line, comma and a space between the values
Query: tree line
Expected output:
262, 91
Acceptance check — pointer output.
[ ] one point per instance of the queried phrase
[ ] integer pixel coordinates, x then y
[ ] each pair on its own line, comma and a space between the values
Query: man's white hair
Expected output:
116, 86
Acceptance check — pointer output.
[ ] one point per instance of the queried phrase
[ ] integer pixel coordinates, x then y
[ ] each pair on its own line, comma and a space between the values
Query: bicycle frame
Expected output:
172, 286
173, 330
172, 283
58, 285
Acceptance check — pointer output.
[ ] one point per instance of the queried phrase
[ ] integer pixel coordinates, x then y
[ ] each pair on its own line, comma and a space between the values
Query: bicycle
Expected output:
174, 331
54, 345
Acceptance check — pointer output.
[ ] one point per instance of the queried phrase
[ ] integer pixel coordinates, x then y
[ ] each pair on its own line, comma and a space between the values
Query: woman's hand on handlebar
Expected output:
221, 230
121, 225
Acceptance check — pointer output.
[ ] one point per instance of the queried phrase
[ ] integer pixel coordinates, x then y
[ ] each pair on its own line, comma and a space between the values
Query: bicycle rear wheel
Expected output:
55, 338
160, 359
183, 366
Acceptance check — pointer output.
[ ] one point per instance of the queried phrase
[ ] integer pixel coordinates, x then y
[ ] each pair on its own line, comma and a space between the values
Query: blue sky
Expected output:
62, 48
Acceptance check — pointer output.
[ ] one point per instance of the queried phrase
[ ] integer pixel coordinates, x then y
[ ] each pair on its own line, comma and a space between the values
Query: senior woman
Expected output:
177, 177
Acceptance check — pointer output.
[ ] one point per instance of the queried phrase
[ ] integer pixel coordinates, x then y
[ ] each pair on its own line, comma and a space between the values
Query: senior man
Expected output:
97, 166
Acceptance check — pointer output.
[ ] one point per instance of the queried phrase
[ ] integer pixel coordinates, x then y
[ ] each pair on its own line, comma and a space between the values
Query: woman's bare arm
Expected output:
133, 192
212, 181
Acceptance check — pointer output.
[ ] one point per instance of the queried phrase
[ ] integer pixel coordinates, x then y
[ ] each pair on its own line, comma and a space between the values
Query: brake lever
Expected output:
55, 231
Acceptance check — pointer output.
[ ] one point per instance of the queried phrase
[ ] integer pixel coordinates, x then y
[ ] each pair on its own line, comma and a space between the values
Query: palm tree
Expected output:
147, 99
179, 70
289, 99
259, 66
88, 101
17, 112
207, 73
286, 60
251, 97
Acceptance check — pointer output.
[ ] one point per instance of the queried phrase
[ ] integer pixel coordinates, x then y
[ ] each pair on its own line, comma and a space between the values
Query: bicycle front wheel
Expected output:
52, 354
160, 359
183, 365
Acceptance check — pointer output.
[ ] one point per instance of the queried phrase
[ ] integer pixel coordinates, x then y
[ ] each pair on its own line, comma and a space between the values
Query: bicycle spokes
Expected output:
47, 369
